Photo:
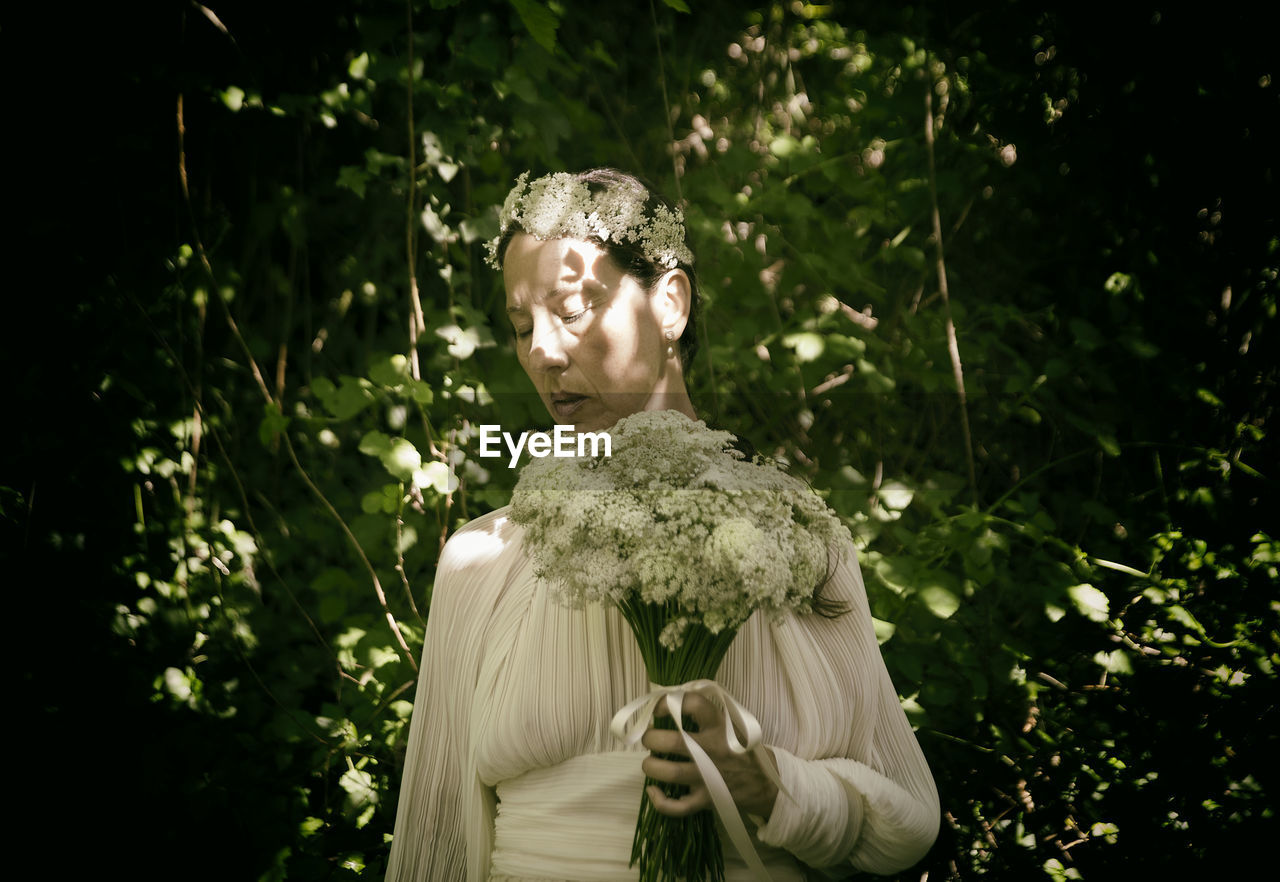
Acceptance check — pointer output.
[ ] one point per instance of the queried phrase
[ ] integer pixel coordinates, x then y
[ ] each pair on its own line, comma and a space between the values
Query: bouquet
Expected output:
687, 538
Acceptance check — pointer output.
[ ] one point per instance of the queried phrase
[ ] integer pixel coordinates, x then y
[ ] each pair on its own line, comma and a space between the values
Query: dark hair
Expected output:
628, 256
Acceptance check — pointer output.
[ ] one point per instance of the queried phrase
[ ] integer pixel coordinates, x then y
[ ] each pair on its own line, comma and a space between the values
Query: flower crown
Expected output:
560, 206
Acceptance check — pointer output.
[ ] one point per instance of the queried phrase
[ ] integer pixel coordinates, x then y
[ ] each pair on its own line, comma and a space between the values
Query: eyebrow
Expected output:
553, 293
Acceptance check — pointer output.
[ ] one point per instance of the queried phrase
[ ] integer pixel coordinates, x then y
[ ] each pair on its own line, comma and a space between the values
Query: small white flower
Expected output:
561, 206
676, 515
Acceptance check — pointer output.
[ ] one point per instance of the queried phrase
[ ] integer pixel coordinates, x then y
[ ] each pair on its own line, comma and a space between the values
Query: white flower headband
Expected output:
560, 206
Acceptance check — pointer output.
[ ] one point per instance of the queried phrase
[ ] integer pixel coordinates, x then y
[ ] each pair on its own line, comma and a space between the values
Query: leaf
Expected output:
359, 786
333, 579
436, 475
1115, 662
333, 607
941, 602
345, 400
895, 495
875, 381
421, 392
375, 443
1087, 336
784, 146
397, 455
353, 178
389, 370
677, 5
1089, 601
462, 343
808, 346
540, 20
273, 423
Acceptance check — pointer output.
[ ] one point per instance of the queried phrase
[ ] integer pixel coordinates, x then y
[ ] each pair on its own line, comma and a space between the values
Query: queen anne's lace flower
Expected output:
559, 206
678, 518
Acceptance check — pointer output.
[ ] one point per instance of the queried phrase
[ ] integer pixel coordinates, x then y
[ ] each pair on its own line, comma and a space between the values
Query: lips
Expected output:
565, 404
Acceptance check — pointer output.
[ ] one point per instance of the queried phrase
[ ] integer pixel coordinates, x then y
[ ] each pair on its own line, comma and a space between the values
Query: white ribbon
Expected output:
735, 716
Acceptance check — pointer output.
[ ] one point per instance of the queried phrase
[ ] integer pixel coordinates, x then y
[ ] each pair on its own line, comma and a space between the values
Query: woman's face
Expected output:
589, 336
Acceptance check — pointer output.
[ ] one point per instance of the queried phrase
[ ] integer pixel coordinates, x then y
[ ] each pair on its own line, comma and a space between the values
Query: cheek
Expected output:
620, 358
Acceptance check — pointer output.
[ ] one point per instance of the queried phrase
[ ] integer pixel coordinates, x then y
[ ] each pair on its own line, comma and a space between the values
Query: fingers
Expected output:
694, 707
664, 741
695, 800
671, 771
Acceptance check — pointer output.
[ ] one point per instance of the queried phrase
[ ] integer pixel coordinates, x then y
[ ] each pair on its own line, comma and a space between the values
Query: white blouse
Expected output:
511, 772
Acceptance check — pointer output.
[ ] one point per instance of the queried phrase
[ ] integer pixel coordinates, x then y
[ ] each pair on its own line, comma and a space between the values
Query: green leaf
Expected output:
677, 5
273, 423
1115, 662
540, 20
332, 579
397, 455
375, 443
807, 345
876, 381
461, 342
421, 392
437, 476
895, 495
941, 602
333, 607
359, 786
402, 459
345, 400
784, 146
389, 370
353, 178
1087, 336
1091, 603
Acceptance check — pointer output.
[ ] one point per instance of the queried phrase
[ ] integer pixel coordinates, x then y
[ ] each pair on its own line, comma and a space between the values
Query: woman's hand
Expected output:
750, 787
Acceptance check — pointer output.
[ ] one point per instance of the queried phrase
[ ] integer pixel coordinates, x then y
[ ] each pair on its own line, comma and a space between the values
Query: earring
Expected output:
671, 350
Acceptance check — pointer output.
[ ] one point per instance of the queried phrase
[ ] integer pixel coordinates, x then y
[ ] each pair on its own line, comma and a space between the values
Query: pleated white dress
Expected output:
512, 774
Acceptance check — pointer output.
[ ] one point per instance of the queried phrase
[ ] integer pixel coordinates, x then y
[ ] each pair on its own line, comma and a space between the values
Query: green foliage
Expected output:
1080, 612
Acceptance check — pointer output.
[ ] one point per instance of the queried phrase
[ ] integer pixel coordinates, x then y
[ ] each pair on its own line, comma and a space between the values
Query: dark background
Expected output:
1113, 290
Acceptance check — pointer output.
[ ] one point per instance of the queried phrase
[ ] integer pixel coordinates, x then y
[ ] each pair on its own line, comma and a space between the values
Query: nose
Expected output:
547, 348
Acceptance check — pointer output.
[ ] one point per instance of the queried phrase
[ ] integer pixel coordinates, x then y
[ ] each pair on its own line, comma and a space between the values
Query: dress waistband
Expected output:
575, 821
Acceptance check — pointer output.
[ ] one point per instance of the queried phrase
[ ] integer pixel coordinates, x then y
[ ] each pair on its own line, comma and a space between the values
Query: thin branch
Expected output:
364, 558
204, 258
266, 394
417, 323
404, 576
215, 437
953, 345
666, 103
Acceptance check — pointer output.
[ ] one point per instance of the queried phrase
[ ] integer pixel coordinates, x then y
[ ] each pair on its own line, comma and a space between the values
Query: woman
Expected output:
511, 773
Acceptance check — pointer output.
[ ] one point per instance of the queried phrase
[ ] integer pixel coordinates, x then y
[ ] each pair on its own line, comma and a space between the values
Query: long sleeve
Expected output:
499, 652
444, 819
876, 808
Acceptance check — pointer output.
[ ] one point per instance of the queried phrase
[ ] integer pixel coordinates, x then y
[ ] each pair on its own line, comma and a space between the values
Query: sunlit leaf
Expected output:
941, 602
540, 20
1089, 602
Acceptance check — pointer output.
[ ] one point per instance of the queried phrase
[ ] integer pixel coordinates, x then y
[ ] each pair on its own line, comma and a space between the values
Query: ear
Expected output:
672, 300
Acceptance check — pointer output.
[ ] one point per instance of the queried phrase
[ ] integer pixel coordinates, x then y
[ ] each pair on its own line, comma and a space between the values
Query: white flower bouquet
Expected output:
687, 538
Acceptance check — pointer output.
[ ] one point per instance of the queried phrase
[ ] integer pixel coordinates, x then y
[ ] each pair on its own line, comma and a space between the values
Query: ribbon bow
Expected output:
735, 716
